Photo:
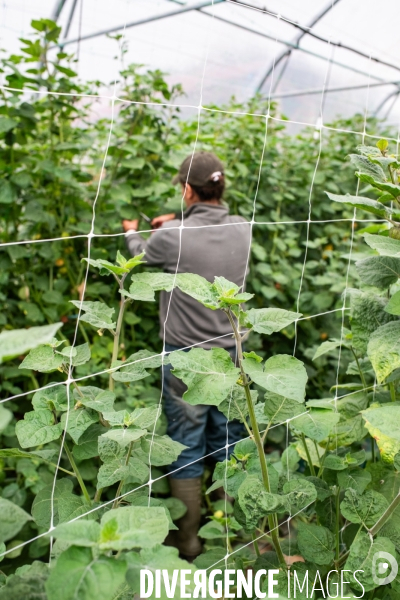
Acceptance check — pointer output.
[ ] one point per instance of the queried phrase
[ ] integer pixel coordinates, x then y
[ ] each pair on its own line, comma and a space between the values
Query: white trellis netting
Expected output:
321, 127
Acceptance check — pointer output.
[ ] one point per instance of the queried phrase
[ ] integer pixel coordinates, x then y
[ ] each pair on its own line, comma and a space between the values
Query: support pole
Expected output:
171, 13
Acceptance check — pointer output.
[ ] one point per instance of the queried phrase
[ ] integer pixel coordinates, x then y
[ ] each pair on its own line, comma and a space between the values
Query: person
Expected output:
211, 243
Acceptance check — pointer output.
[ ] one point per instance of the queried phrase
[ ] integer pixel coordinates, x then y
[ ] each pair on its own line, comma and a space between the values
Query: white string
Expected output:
121, 496
319, 130
180, 228
133, 362
205, 108
70, 367
348, 266
106, 235
91, 235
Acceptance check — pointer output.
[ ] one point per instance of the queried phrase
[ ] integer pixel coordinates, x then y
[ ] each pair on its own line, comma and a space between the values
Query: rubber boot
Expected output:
187, 540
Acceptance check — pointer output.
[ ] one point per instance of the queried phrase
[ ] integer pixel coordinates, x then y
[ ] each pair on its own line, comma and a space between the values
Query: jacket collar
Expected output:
209, 211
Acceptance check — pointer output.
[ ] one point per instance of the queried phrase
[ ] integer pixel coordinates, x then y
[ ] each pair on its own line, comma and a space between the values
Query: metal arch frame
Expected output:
296, 42
291, 45
200, 6
145, 20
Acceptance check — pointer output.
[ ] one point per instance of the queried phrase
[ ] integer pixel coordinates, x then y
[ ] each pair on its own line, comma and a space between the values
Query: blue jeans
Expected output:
204, 429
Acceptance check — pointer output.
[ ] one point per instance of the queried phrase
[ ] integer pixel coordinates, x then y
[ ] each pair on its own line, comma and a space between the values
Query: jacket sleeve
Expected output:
154, 247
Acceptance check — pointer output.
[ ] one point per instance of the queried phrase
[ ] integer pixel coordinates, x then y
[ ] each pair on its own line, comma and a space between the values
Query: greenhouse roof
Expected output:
309, 55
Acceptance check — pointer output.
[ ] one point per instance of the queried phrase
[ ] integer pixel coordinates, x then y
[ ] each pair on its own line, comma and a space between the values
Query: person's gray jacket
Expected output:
213, 243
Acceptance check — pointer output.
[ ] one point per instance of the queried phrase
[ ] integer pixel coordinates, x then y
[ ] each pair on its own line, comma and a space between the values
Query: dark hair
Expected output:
211, 191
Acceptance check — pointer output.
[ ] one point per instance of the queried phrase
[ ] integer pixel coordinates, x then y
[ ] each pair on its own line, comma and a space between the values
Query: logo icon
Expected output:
384, 568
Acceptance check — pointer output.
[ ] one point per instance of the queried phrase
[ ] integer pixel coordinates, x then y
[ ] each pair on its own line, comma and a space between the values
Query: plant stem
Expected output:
116, 337
392, 391
310, 463
373, 457
362, 377
77, 473
255, 544
386, 516
257, 439
121, 483
337, 532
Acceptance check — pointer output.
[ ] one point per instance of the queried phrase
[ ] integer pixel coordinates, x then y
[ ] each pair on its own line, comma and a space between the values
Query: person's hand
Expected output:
158, 221
127, 225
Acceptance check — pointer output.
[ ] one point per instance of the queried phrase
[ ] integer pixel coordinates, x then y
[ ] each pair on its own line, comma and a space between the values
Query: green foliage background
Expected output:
54, 189
51, 152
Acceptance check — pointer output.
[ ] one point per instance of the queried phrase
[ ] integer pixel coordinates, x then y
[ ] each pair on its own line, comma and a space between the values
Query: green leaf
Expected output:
6, 124
8, 195
383, 186
316, 424
379, 271
105, 267
18, 341
27, 582
393, 306
97, 314
328, 346
71, 506
38, 427
139, 291
117, 470
371, 206
209, 374
157, 281
13, 518
316, 543
367, 314
161, 449
280, 409
212, 531
84, 533
270, 320
198, 288
137, 364
227, 292
52, 398
364, 165
95, 398
42, 359
235, 405
141, 498
385, 246
88, 446
133, 527
396, 462
283, 374
366, 508
78, 574
361, 557
335, 462
356, 479
382, 145
159, 558
384, 350
255, 501
383, 424
299, 493
124, 436
323, 489
78, 355
77, 421
5, 417
315, 452
41, 507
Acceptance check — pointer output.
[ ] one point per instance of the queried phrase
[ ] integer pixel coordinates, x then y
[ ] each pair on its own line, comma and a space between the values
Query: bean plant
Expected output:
51, 152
